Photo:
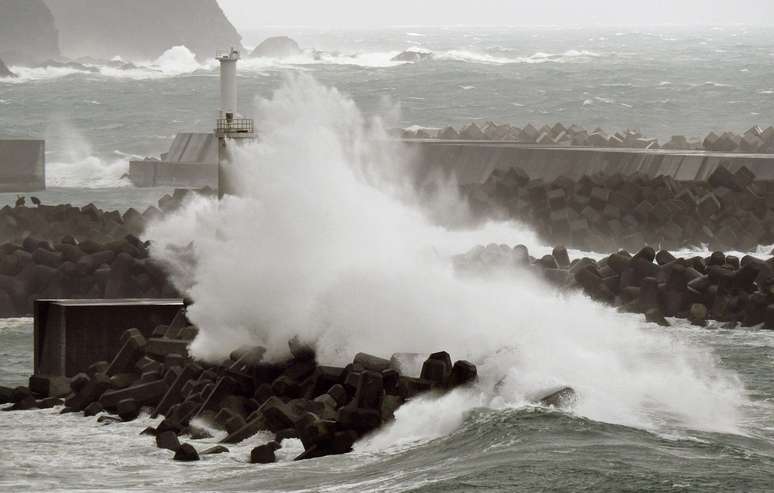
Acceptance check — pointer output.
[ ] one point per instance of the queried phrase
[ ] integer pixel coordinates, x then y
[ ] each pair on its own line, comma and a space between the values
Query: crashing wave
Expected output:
176, 61
180, 61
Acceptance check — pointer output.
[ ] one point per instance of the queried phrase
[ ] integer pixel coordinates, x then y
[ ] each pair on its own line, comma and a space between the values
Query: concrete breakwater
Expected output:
473, 161
721, 288
753, 140
472, 154
69, 252
327, 408
22, 164
602, 212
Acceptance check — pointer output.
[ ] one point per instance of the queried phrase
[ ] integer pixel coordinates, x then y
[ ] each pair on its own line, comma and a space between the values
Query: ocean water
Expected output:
509, 449
663, 81
326, 242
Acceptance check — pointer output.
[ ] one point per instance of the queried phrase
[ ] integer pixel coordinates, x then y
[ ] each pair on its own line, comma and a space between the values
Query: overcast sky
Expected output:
251, 14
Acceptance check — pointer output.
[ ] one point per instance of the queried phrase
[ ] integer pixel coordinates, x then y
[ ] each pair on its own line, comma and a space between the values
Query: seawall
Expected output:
192, 161
22, 165
474, 161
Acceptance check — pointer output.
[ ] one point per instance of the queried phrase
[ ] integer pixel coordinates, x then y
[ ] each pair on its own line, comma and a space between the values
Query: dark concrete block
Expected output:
370, 362
167, 440
128, 409
56, 386
72, 334
160, 348
144, 394
264, 454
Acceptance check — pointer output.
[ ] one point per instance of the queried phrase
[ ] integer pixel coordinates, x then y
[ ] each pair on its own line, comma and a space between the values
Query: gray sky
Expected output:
250, 14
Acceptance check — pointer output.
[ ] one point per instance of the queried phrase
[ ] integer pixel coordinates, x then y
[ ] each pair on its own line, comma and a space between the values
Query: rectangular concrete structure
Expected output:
179, 175
474, 161
70, 335
191, 162
22, 165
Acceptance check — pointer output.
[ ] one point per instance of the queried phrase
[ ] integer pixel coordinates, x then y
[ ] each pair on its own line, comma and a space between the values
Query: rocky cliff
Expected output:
141, 29
27, 32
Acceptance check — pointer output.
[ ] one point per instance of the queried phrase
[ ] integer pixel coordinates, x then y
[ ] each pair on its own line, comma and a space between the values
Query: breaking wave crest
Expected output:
78, 166
179, 61
176, 61
87, 172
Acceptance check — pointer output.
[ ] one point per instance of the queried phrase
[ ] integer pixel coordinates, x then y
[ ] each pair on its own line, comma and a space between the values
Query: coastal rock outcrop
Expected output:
28, 33
276, 47
141, 29
5, 71
413, 56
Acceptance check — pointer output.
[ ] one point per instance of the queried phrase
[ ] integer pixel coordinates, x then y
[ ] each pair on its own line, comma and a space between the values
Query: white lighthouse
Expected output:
231, 128
228, 83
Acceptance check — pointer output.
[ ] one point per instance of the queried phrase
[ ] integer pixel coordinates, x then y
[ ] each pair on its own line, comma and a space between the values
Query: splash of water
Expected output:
178, 60
323, 241
79, 166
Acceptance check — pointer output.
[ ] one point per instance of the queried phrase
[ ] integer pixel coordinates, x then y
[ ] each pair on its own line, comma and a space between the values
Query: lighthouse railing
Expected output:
235, 125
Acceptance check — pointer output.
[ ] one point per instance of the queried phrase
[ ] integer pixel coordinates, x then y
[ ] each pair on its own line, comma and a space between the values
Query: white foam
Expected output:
78, 166
87, 172
326, 241
179, 61
176, 61
377, 59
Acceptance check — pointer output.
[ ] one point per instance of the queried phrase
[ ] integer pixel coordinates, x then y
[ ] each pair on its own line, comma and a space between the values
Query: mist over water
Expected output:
323, 242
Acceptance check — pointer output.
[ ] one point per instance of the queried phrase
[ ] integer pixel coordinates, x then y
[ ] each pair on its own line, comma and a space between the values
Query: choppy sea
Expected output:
662, 81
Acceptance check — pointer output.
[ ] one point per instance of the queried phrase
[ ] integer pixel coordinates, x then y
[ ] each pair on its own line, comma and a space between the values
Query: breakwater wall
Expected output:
755, 140
191, 162
70, 334
22, 165
473, 161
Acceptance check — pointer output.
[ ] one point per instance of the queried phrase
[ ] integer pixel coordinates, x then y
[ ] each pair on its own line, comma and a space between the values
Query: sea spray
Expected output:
323, 243
77, 165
